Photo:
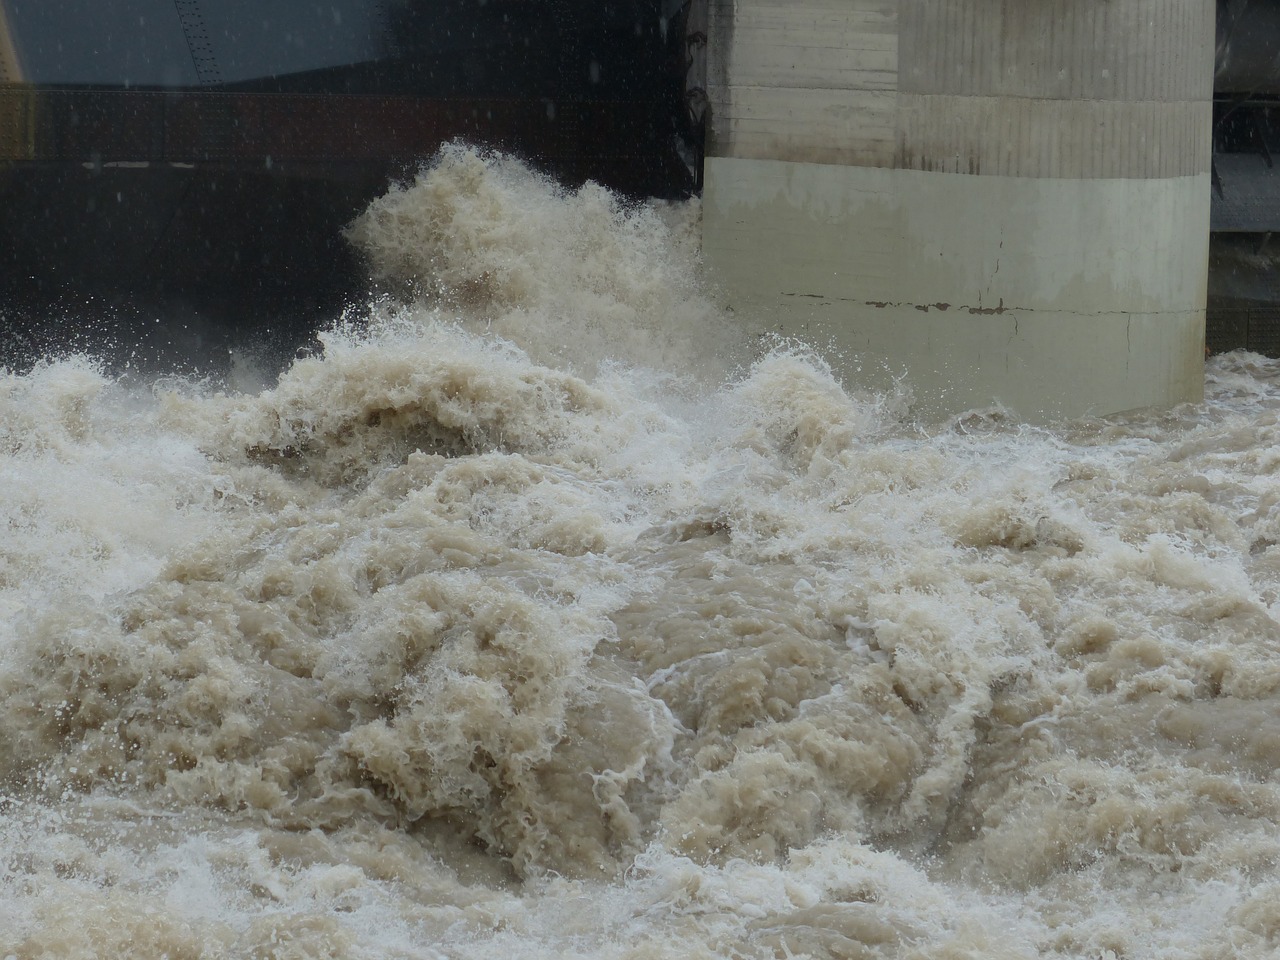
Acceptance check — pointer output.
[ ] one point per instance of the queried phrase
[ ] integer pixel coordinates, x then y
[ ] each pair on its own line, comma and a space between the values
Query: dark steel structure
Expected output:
193, 163
1244, 263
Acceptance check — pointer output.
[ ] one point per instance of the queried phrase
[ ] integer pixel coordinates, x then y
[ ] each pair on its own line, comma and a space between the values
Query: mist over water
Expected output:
546, 612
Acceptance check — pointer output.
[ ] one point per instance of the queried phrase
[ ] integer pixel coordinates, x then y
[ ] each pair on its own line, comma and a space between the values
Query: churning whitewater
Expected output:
547, 613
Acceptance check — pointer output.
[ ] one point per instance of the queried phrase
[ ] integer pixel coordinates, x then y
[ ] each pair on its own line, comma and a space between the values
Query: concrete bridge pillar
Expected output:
1006, 199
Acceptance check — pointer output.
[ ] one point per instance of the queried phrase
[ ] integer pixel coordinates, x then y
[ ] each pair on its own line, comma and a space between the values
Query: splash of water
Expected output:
536, 615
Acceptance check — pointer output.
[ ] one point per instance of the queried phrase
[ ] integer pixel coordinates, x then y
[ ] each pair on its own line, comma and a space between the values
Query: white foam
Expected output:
491, 631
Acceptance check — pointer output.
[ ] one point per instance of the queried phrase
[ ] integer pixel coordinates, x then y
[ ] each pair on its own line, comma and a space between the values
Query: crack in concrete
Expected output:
980, 311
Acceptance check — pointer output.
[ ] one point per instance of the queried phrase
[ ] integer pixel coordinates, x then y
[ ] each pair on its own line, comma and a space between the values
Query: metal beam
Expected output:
10, 66
198, 42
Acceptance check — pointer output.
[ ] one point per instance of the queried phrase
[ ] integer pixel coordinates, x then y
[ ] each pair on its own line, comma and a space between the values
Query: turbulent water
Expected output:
545, 614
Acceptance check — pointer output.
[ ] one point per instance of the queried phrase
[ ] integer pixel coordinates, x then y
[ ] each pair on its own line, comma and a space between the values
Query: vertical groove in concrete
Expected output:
1080, 90
813, 80
1017, 137
1039, 88
1120, 50
1017, 210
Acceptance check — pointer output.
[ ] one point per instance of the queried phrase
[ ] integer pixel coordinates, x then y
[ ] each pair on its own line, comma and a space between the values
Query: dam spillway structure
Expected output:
1003, 200
1006, 200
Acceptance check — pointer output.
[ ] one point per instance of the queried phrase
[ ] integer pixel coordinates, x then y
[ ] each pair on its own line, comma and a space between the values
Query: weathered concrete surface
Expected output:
810, 81
1054, 297
1007, 199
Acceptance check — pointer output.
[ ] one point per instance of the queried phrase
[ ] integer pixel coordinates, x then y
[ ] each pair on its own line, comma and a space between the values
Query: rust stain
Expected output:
988, 311
941, 306
922, 307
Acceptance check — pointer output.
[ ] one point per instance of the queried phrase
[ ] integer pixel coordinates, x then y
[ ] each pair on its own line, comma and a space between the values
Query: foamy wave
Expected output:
572, 276
443, 646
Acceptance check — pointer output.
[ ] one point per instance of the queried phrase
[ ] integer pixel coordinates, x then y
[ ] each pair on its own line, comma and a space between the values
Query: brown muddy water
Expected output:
546, 614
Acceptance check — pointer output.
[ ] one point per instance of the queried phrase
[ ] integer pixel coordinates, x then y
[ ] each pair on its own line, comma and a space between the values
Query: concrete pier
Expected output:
1006, 200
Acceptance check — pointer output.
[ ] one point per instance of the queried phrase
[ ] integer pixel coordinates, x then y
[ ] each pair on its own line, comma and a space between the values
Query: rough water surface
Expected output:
543, 614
